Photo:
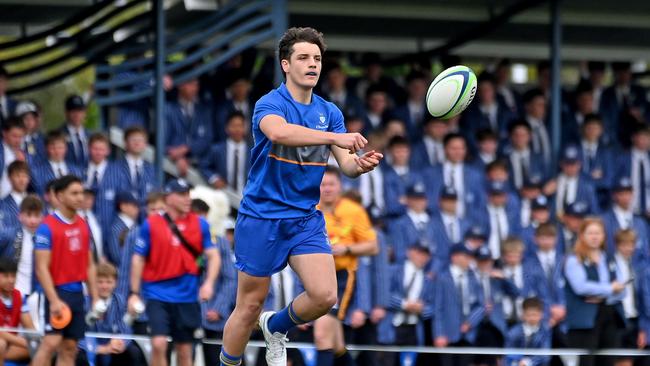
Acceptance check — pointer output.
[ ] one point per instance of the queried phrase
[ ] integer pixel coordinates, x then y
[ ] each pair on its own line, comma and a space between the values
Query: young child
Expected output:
530, 333
631, 269
12, 314
113, 351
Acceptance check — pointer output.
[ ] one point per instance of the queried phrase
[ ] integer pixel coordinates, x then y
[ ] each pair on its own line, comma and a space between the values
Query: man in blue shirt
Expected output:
294, 132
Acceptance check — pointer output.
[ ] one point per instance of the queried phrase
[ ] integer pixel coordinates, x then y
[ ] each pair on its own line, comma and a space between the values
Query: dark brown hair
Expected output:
18, 166
299, 34
31, 205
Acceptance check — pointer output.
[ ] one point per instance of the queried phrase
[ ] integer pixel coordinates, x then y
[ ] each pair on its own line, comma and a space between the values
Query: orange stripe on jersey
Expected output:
296, 162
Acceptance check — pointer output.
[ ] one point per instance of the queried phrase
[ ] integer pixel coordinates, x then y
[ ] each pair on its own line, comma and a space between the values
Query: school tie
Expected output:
59, 172
565, 199
79, 148
642, 188
94, 184
462, 295
235, 179
138, 174
513, 299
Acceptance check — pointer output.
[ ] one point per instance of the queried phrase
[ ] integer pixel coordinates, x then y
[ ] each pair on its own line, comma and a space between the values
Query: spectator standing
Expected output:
166, 274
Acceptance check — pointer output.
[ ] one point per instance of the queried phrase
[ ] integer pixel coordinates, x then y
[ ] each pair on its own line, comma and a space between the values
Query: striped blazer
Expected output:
225, 289
42, 174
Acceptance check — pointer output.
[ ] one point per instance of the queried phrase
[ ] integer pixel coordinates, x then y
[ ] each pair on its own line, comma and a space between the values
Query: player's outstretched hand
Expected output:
368, 161
351, 141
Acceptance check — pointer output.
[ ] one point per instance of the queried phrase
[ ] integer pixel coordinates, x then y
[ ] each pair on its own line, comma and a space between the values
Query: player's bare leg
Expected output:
251, 293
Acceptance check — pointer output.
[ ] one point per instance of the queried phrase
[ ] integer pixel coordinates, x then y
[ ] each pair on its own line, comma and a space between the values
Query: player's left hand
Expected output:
368, 161
205, 292
358, 319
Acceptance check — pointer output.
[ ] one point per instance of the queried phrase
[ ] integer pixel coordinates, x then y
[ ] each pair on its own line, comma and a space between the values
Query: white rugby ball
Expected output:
451, 92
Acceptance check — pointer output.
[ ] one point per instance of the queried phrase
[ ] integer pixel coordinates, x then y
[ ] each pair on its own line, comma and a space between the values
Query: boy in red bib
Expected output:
63, 262
12, 346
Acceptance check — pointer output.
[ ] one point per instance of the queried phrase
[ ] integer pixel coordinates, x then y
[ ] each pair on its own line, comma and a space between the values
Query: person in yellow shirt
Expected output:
351, 235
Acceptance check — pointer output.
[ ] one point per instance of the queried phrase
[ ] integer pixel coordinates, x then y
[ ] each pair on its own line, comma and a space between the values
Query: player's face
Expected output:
136, 143
304, 66
72, 198
105, 286
594, 236
76, 117
19, 181
456, 150
30, 220
7, 282
14, 137
330, 189
180, 202
99, 151
532, 317
56, 150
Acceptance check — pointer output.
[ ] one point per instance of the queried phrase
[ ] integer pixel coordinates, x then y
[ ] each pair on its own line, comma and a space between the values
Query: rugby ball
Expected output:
451, 92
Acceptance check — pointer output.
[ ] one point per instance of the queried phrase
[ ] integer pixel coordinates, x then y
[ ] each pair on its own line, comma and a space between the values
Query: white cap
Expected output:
26, 107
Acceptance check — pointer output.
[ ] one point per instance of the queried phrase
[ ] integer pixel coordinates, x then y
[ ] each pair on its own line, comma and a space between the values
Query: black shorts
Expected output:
77, 328
345, 287
178, 320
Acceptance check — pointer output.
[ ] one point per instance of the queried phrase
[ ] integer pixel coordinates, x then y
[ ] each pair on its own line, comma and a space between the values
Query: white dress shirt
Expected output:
135, 163
18, 197
625, 218
454, 173
517, 159
435, 150
99, 168
415, 277
420, 219
563, 182
5, 184
547, 259
491, 112
515, 274
240, 147
461, 278
627, 274
497, 213
374, 193
640, 157
25, 267
452, 227
59, 166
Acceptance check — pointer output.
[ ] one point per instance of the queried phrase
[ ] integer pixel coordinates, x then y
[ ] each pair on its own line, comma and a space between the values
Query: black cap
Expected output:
460, 248
533, 181
420, 247
540, 202
448, 193
577, 209
483, 253
622, 184
125, 197
497, 187
177, 186
476, 232
74, 102
417, 190
571, 155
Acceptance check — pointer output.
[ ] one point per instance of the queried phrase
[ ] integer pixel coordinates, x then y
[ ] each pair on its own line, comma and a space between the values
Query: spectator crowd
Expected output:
485, 237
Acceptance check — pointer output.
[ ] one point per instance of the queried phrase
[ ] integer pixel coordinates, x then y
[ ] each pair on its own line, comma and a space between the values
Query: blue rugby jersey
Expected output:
284, 181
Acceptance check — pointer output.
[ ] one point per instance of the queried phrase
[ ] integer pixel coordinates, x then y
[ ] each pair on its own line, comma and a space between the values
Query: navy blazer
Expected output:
225, 289
146, 185
585, 192
222, 111
535, 164
9, 211
442, 240
499, 288
393, 191
612, 226
554, 286
473, 183
196, 132
386, 331
35, 150
112, 183
448, 307
611, 109
352, 106
539, 340
602, 167
115, 242
473, 121
643, 297
402, 233
420, 158
413, 128
215, 162
70, 154
42, 173
482, 218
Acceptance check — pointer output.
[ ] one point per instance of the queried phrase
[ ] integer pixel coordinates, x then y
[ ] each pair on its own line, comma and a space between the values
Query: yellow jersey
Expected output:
348, 225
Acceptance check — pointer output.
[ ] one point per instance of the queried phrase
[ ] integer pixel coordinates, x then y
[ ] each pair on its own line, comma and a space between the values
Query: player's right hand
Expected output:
133, 299
351, 141
56, 307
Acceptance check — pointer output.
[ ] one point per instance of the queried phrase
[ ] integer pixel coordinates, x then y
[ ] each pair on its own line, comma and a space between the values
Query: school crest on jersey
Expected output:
322, 122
